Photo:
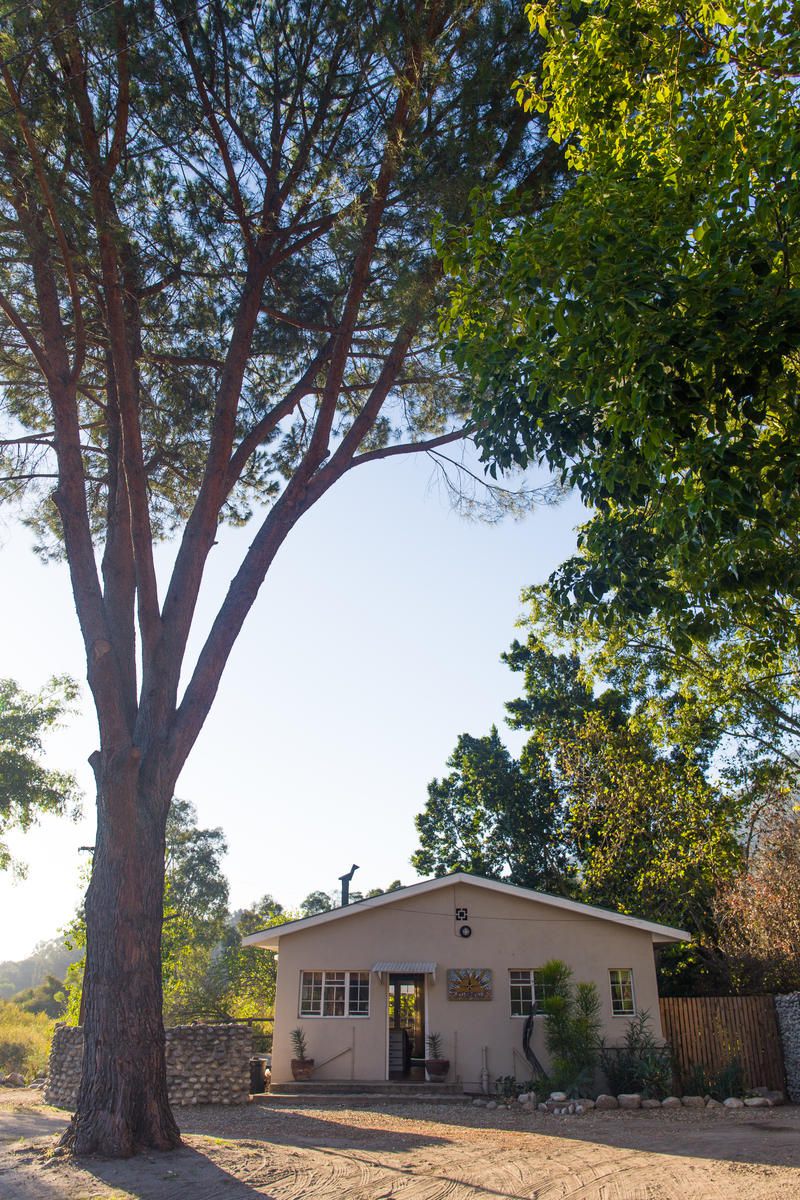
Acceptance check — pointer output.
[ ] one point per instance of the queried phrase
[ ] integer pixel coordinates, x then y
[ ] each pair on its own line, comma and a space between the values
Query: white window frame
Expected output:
531, 972
628, 1012
322, 1015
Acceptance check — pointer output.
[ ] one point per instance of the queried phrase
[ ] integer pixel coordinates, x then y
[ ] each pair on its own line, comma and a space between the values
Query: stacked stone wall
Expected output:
206, 1064
788, 1012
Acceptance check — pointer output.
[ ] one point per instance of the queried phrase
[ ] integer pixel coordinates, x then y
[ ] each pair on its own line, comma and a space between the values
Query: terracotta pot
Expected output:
437, 1068
302, 1068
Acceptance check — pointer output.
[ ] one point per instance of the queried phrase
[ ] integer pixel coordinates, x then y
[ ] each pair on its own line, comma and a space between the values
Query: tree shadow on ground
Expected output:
290, 1127
34, 1174
766, 1137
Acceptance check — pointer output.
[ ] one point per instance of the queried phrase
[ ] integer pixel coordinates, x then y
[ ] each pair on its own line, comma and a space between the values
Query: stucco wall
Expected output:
206, 1064
508, 932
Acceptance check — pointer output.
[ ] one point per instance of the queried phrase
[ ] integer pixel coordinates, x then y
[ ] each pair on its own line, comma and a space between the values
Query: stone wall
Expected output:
206, 1064
788, 1012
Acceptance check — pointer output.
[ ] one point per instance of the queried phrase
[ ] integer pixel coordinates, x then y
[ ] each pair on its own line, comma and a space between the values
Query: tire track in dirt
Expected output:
590, 1172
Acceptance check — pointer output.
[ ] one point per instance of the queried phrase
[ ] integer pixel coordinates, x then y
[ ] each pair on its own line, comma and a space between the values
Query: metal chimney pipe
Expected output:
345, 881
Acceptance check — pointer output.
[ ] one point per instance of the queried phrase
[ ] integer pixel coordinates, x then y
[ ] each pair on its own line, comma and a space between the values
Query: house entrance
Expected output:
407, 1027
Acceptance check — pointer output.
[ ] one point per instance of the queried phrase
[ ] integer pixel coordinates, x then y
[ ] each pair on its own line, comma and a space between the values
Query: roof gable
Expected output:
269, 938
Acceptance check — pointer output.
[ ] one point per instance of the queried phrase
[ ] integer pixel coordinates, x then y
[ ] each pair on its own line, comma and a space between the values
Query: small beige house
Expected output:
458, 956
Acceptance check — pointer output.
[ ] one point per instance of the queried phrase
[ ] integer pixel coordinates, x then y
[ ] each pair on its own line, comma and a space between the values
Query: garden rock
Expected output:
693, 1102
14, 1080
757, 1102
629, 1100
604, 1101
651, 1103
492, 1104
770, 1094
671, 1102
712, 1103
542, 1108
586, 1104
733, 1102
478, 1103
558, 1097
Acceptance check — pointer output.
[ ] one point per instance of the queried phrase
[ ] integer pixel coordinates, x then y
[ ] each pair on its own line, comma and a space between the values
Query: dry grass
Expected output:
24, 1040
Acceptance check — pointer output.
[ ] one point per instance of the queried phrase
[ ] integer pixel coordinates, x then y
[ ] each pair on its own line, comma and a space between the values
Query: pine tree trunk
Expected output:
122, 1102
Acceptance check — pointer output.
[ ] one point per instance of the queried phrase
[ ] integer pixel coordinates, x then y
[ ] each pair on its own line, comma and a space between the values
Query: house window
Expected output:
622, 1000
358, 994
528, 990
334, 993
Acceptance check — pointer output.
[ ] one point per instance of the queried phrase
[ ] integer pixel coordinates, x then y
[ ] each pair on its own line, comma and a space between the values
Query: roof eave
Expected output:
268, 939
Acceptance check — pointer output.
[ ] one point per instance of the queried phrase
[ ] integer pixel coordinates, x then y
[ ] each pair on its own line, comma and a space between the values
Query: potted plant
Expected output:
302, 1067
436, 1066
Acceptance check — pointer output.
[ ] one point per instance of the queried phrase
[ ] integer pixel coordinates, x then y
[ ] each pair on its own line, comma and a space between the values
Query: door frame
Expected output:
388, 985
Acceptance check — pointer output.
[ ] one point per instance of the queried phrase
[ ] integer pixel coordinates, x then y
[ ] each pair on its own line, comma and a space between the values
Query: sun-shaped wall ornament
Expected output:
469, 983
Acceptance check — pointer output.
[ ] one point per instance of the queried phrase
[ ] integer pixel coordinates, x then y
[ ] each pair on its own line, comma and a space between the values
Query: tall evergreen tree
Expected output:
218, 296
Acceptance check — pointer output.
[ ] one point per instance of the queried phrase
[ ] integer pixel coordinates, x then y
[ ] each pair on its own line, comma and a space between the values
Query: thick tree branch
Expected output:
444, 439
122, 340
270, 421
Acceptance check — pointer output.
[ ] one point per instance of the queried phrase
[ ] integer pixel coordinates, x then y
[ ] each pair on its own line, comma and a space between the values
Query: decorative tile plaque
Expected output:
469, 983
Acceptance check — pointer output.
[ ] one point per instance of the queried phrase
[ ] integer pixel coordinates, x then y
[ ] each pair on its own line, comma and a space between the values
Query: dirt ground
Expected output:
418, 1153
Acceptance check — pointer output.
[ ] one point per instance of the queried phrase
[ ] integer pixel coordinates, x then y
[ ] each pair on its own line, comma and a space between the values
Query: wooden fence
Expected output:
711, 1030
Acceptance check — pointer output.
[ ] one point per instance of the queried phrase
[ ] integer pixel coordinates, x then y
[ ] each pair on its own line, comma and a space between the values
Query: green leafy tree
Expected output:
491, 817
648, 832
394, 886
315, 903
27, 787
218, 297
195, 908
50, 957
641, 334
242, 978
652, 836
47, 997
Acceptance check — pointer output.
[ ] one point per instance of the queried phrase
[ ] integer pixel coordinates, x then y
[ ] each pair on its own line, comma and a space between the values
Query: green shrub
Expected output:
507, 1086
728, 1081
572, 1028
641, 1064
24, 1040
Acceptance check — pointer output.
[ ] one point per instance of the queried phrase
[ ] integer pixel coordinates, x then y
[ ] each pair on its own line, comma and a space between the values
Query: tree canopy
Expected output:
27, 787
603, 803
491, 817
642, 334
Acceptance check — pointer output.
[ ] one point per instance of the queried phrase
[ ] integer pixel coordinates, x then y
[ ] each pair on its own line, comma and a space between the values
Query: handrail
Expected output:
318, 1066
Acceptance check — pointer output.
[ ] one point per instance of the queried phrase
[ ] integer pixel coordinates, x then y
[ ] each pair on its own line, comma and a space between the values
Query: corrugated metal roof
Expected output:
405, 968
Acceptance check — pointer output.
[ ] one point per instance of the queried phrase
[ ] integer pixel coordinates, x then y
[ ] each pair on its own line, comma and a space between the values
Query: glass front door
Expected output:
406, 1026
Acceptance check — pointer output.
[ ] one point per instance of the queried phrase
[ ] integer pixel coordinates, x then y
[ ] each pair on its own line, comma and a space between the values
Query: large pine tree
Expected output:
218, 296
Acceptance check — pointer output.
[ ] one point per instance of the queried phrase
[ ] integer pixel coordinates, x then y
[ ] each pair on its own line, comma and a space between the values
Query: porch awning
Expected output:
405, 968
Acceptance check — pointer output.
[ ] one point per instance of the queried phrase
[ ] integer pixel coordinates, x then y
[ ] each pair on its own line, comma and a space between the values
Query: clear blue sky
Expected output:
374, 642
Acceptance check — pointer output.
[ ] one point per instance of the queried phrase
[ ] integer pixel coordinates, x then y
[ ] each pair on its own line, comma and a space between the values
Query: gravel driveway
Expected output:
425, 1153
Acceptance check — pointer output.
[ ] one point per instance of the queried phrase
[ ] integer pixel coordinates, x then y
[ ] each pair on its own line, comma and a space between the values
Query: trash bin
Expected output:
258, 1078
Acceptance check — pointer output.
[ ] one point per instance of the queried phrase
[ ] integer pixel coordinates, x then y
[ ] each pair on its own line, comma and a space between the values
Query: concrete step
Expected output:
362, 1087
357, 1099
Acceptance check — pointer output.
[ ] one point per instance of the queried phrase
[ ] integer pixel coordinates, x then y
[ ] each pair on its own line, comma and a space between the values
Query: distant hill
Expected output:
49, 958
